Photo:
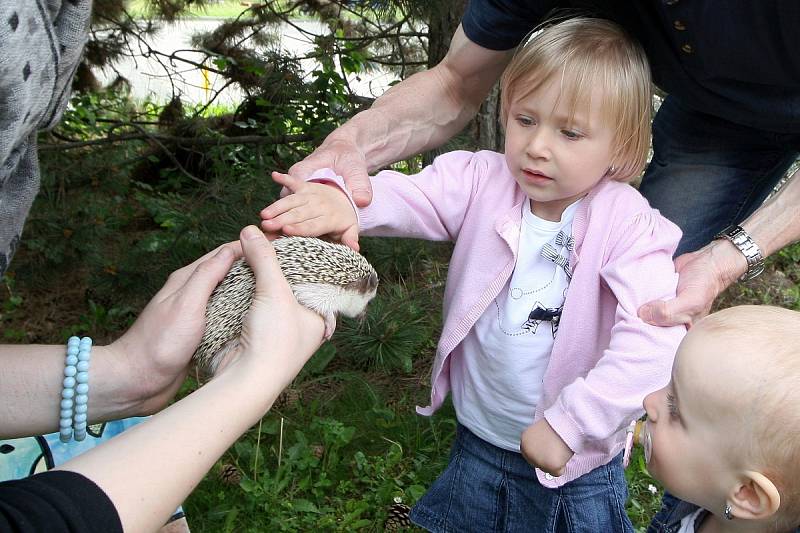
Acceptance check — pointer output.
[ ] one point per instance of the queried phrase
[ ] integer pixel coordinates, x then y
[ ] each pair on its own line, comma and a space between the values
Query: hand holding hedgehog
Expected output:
327, 278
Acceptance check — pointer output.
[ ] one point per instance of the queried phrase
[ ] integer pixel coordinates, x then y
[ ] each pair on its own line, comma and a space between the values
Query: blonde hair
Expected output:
585, 53
768, 338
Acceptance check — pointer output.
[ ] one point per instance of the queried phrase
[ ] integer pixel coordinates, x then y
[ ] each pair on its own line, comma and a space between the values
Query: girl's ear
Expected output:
754, 497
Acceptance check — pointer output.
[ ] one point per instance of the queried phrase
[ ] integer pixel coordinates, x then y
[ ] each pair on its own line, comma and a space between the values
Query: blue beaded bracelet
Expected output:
75, 394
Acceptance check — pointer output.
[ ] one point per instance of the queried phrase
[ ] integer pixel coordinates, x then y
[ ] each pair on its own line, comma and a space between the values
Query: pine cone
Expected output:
317, 450
393, 405
398, 517
230, 474
287, 398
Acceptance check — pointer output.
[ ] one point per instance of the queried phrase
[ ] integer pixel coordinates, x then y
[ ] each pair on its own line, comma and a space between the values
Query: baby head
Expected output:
576, 105
724, 432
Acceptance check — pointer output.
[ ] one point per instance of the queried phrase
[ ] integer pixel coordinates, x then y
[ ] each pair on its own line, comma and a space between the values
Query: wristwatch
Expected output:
745, 244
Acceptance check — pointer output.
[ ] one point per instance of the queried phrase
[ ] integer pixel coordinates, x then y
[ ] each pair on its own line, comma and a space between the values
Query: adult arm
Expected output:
187, 438
417, 114
136, 375
704, 274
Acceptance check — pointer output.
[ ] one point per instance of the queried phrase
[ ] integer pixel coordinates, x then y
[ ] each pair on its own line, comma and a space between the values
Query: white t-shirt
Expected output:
689, 521
497, 381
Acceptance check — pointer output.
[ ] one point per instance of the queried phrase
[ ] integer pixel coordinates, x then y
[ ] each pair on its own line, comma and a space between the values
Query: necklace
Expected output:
553, 255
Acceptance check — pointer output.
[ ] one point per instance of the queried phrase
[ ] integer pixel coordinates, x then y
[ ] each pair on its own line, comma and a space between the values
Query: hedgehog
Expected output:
326, 277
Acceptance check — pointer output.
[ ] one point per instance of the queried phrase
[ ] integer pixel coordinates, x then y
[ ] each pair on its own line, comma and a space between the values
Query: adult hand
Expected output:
346, 159
703, 275
157, 349
544, 449
279, 335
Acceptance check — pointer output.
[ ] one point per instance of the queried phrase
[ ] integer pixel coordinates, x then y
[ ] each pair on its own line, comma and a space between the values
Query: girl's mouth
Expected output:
535, 177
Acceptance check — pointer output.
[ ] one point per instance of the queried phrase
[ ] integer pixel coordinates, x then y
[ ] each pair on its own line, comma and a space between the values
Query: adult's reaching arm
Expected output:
417, 114
704, 274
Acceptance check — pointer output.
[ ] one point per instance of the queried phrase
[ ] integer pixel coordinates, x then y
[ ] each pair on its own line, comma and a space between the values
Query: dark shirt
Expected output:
56, 501
738, 60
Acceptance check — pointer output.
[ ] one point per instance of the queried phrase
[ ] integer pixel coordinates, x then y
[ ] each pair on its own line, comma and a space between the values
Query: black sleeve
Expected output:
502, 24
56, 501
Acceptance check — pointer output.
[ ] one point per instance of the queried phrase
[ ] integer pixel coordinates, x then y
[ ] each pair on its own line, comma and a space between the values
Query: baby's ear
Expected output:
755, 497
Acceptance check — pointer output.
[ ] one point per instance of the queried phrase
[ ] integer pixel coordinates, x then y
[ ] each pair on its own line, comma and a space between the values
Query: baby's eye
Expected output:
671, 406
571, 134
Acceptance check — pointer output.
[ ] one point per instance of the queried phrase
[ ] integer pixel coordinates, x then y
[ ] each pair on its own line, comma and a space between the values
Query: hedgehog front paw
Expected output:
330, 325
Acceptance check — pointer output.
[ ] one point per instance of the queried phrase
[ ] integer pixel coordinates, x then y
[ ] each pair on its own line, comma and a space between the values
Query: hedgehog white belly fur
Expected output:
326, 277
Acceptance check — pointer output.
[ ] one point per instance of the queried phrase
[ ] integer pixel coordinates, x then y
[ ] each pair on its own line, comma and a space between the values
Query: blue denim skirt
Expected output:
485, 489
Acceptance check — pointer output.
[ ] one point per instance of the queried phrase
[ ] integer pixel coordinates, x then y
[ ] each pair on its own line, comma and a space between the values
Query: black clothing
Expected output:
737, 60
56, 501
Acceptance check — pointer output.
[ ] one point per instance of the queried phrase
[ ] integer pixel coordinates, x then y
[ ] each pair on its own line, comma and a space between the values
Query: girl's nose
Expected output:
538, 144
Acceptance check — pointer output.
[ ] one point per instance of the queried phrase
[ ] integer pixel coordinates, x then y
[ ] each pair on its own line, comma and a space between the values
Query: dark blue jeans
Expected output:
707, 173
486, 489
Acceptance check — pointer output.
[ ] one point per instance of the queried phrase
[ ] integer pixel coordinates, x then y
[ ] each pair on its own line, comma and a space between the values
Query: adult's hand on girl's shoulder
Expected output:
155, 352
703, 275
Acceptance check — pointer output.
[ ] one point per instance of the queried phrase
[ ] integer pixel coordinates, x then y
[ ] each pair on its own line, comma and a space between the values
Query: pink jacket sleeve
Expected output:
429, 205
639, 357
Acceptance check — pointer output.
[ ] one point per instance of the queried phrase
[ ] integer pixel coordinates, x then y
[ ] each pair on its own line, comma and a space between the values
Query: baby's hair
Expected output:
584, 53
768, 337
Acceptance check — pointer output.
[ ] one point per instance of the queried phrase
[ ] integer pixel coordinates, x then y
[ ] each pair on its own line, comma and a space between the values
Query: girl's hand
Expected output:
310, 210
155, 352
543, 448
279, 335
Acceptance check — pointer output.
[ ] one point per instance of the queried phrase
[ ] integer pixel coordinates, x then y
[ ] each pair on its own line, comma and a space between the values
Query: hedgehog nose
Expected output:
372, 282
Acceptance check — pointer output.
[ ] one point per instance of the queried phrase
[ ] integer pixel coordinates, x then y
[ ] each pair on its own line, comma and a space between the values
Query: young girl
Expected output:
723, 435
542, 348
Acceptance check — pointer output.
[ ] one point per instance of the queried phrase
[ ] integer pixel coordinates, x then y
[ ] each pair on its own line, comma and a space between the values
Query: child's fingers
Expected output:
292, 217
350, 238
312, 227
288, 181
278, 207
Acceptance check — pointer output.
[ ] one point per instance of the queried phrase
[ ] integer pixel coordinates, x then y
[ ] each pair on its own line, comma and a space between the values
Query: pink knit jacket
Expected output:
604, 359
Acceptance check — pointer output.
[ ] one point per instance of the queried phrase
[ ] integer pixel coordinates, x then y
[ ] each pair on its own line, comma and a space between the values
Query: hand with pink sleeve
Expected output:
310, 210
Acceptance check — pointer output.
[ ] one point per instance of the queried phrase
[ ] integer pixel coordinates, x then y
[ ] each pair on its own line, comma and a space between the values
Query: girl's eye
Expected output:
571, 134
673, 409
525, 121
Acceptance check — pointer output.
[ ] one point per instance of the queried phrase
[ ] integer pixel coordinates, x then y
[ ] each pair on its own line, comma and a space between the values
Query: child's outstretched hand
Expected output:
310, 210
544, 449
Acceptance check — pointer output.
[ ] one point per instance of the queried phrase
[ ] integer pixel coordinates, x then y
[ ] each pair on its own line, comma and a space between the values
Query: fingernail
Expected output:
250, 232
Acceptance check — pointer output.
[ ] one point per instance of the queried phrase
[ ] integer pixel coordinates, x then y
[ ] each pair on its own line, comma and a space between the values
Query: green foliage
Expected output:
10, 311
644, 492
392, 334
320, 479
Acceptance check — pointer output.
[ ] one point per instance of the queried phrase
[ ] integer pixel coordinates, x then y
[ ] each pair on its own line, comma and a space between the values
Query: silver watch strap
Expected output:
745, 244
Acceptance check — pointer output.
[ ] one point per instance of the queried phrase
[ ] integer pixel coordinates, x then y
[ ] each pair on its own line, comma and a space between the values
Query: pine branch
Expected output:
180, 141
